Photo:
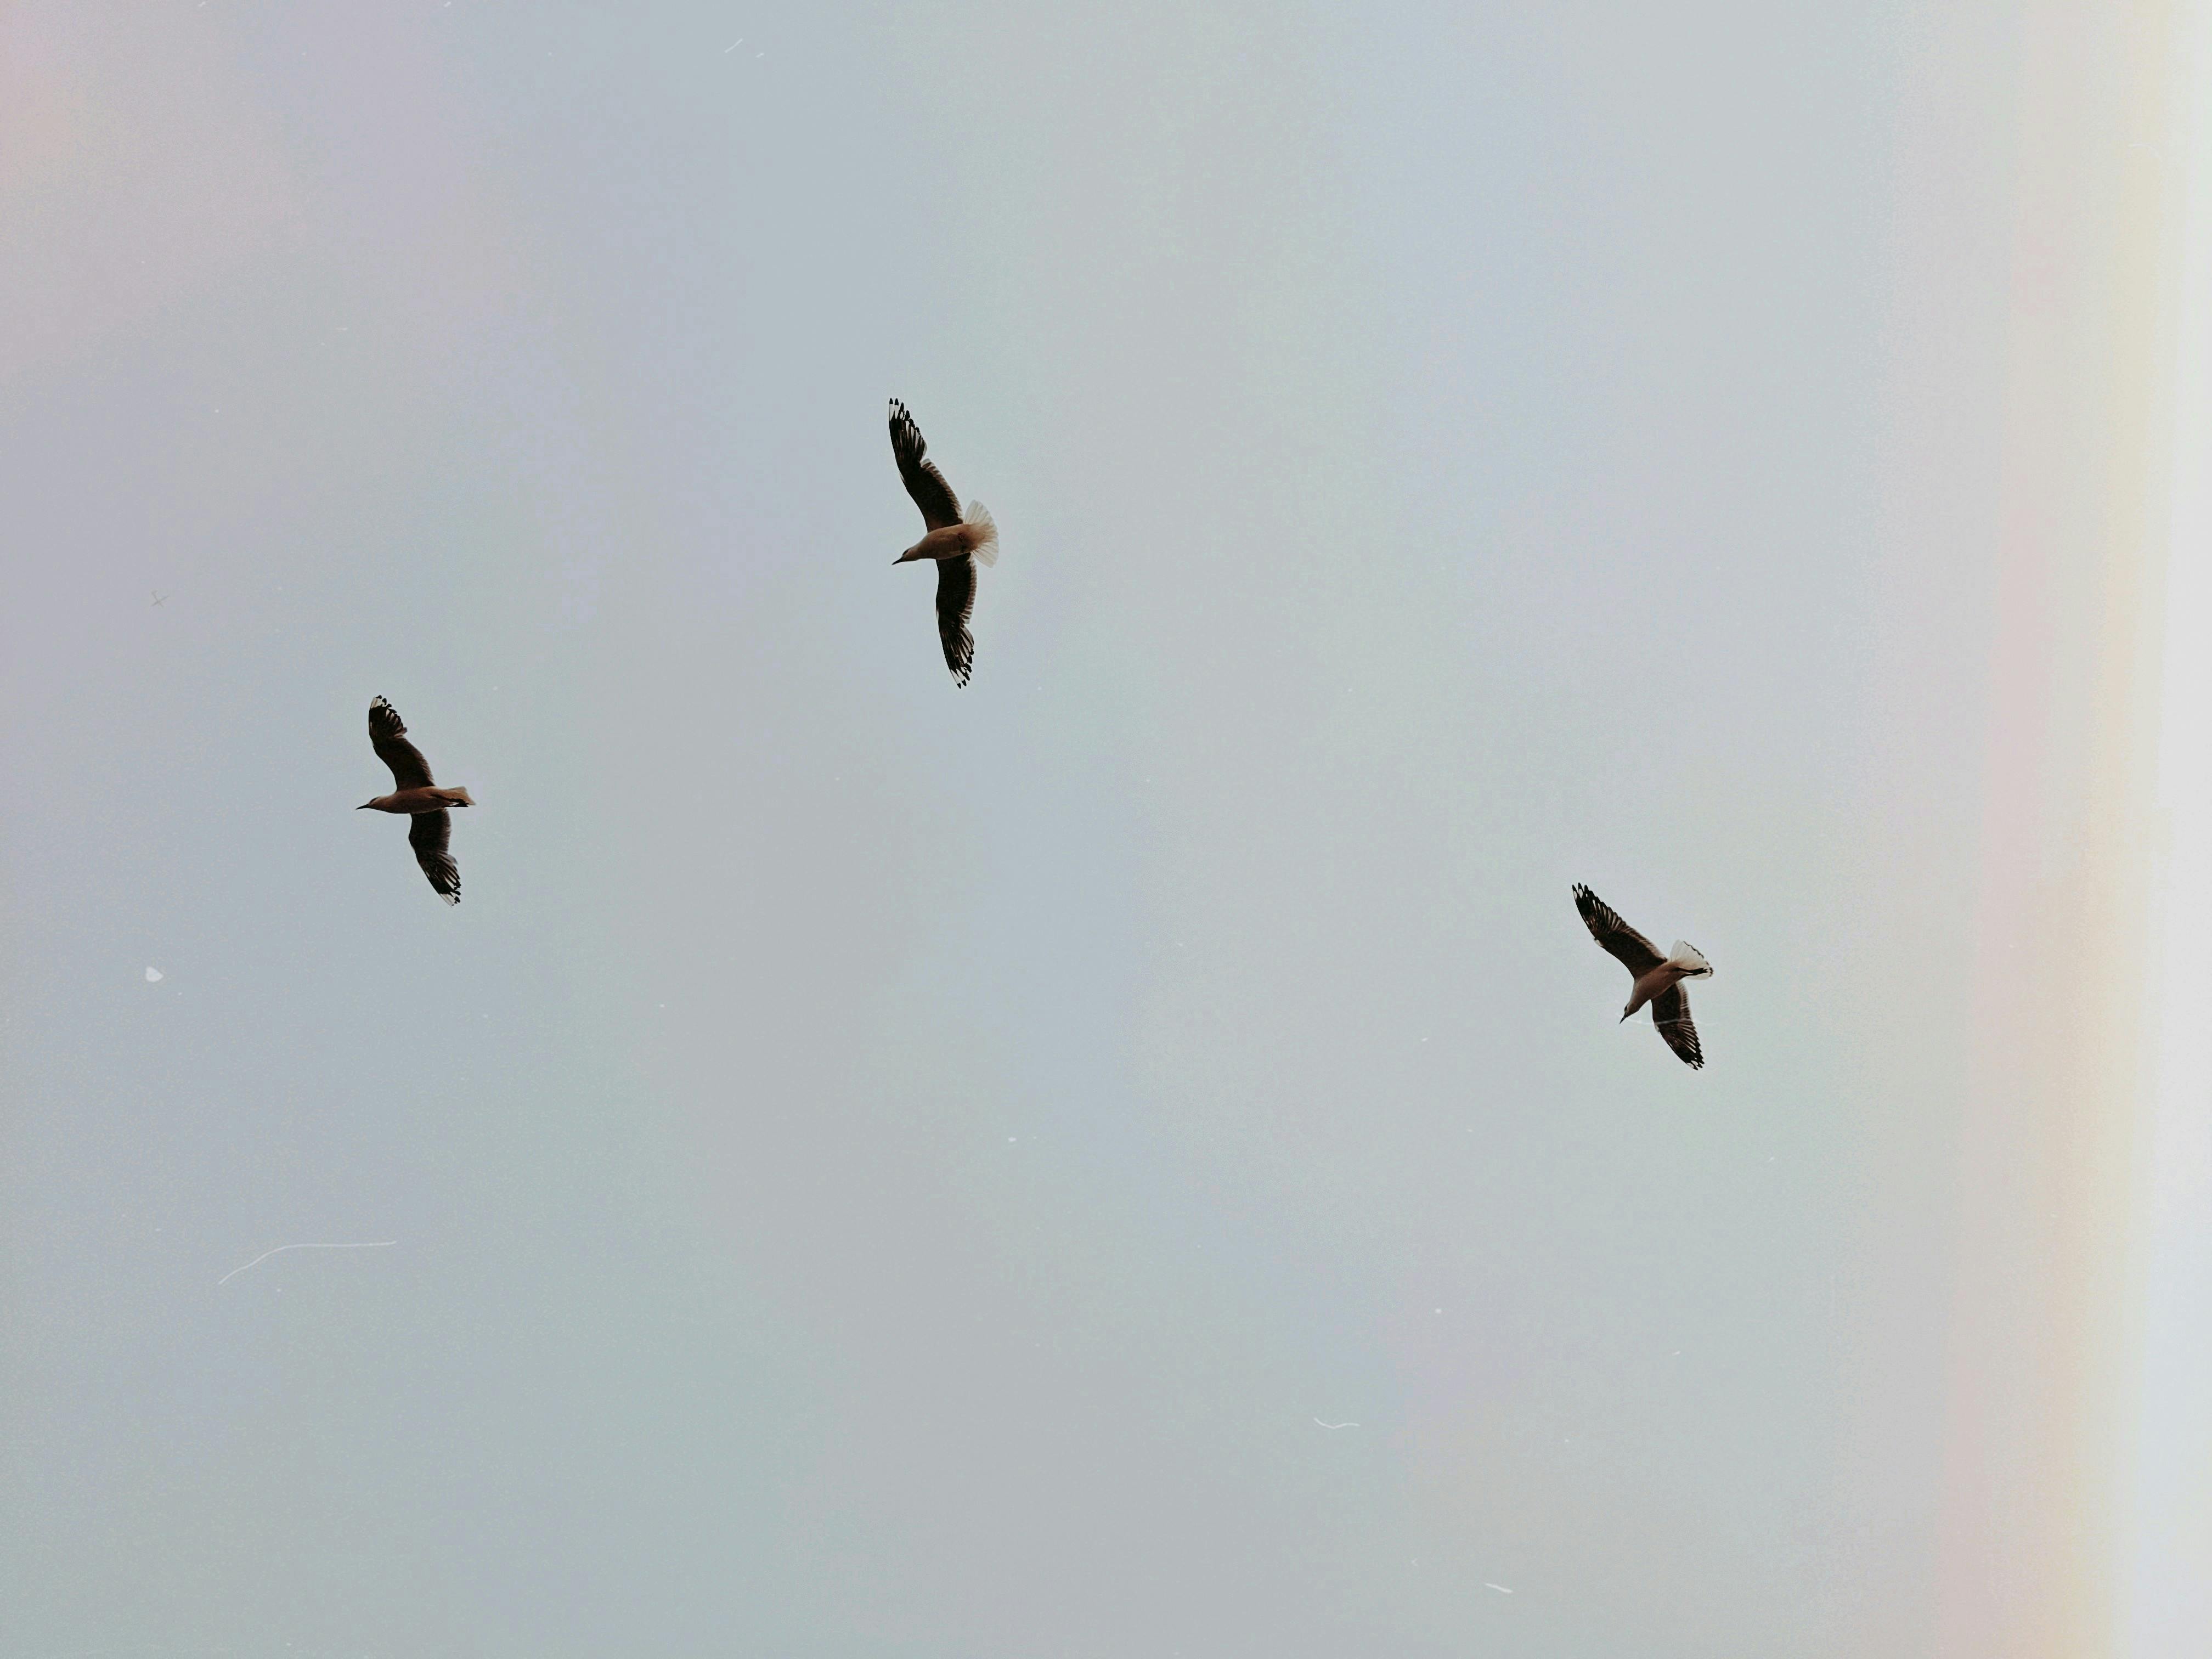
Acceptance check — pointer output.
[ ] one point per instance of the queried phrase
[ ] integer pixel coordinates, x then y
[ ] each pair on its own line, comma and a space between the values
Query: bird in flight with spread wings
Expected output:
1658, 978
958, 544
430, 826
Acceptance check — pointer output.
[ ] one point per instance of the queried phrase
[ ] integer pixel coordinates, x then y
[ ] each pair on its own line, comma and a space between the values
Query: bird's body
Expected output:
957, 542
430, 823
1656, 978
1654, 985
431, 799
954, 541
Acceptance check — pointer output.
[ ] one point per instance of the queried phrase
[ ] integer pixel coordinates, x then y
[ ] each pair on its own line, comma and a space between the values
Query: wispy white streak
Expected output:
372, 1244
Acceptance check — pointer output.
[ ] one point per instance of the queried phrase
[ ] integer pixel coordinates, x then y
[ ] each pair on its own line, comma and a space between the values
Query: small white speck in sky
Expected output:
733, 46
1500, 1588
153, 977
1337, 1425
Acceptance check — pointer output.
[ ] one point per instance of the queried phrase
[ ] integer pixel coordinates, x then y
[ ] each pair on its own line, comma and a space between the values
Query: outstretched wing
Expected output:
940, 506
388, 733
955, 603
427, 833
1670, 1012
1623, 943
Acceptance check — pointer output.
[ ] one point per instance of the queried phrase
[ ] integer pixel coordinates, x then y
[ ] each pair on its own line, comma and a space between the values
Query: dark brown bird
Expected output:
430, 826
958, 544
1658, 978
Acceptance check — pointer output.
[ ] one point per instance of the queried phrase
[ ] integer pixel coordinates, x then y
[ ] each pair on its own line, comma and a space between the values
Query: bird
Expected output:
1658, 978
958, 544
430, 826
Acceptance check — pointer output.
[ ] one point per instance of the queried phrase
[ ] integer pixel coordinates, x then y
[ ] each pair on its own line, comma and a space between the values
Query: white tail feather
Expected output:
1686, 957
986, 550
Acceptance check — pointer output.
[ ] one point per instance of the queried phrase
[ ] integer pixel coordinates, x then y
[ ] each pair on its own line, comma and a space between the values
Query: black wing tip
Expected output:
907, 441
1691, 1054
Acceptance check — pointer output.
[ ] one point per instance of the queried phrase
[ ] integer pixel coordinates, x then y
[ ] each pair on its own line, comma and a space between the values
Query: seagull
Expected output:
1658, 979
957, 544
430, 825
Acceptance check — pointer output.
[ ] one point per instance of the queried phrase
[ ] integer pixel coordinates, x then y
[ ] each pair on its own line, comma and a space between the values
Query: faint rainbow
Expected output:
2041, 1511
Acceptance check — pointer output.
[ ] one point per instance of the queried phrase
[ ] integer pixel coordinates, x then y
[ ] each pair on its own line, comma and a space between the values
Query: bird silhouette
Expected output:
430, 826
958, 544
1658, 979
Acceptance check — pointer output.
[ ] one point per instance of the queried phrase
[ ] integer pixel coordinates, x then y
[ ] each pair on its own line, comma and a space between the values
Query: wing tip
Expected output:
1691, 1054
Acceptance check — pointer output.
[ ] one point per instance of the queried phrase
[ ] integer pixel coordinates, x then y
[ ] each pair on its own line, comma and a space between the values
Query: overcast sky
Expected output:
876, 1169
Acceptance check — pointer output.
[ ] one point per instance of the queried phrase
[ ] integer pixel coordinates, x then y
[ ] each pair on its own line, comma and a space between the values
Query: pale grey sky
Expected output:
882, 1169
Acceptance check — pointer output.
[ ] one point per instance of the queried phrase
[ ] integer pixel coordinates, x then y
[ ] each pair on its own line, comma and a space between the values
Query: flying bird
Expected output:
1658, 978
430, 826
957, 544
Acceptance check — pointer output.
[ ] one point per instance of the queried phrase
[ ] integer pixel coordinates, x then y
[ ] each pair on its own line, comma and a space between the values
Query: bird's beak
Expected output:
1624, 1019
364, 806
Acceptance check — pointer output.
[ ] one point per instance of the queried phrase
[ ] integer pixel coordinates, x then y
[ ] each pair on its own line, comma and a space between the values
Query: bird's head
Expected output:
1626, 1012
908, 554
364, 806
